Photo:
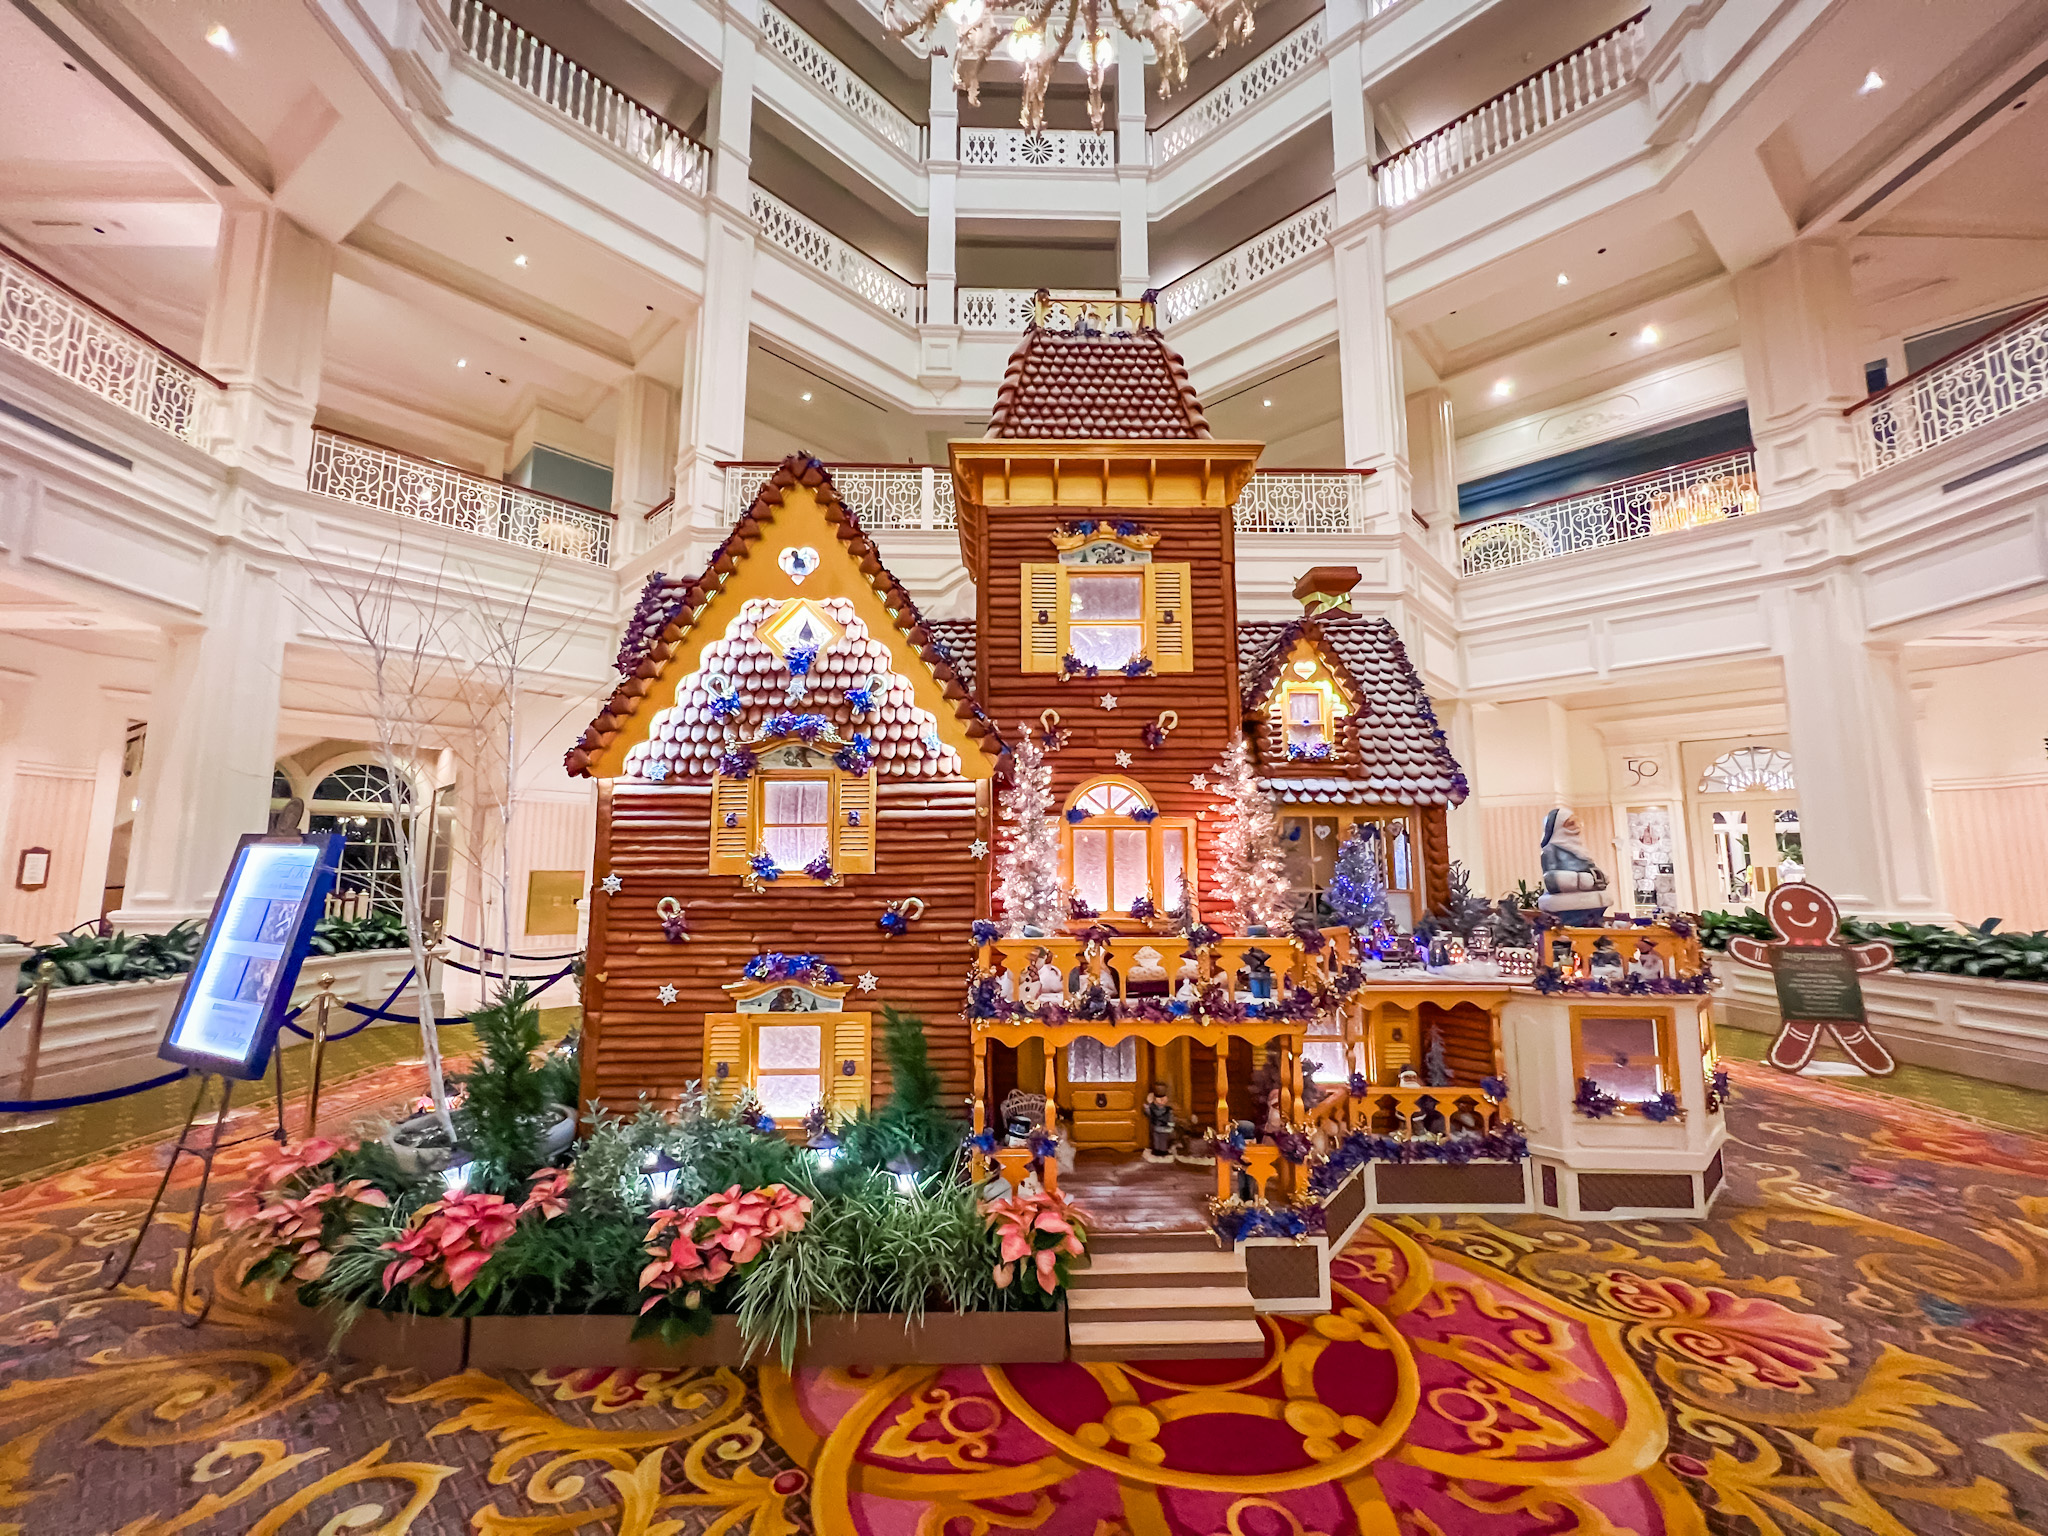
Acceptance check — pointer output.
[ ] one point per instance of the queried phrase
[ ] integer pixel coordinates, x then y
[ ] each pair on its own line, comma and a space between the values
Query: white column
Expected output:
266, 333
938, 357
210, 748
1866, 834
1433, 463
1800, 364
643, 449
1465, 823
1133, 170
714, 409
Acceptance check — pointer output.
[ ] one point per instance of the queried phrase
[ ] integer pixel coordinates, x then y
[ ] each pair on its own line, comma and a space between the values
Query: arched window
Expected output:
1748, 768
357, 800
1119, 848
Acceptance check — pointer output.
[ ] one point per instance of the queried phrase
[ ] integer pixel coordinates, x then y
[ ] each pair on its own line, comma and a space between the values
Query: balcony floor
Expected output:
1125, 1194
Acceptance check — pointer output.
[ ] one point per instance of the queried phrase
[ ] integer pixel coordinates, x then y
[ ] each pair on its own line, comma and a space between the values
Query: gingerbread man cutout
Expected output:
1805, 918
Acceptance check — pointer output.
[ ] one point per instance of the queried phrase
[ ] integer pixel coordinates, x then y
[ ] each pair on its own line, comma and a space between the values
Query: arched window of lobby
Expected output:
1749, 822
356, 800
1748, 768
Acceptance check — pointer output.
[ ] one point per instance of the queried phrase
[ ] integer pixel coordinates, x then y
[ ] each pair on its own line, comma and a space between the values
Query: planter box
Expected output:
444, 1345
1344, 1210
1995, 1030
1420, 1188
105, 1036
1287, 1274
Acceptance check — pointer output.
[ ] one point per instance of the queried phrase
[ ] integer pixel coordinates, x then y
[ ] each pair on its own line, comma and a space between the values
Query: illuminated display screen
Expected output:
228, 1018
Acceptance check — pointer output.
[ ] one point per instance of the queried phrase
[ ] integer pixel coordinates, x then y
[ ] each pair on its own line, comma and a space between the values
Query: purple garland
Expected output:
738, 763
1362, 1147
777, 966
1235, 1223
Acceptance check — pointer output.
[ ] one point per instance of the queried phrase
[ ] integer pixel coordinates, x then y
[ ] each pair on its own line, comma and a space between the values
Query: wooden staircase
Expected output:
1161, 1296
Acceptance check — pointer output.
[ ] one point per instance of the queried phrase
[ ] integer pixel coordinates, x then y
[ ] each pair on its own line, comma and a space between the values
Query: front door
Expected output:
1746, 843
1099, 1087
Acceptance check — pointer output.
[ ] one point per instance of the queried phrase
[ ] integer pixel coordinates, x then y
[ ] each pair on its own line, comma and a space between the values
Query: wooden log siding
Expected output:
655, 839
1206, 699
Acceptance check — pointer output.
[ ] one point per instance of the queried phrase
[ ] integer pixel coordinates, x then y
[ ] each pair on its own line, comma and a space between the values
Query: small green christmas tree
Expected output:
914, 1123
508, 1101
1460, 911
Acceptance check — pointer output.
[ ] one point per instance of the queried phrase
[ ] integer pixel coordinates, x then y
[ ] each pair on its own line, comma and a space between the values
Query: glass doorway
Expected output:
1747, 810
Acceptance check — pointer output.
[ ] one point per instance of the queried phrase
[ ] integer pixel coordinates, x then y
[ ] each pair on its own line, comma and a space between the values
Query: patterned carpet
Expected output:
1855, 1343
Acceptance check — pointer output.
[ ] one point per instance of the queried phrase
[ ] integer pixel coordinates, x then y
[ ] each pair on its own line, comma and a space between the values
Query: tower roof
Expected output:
1096, 380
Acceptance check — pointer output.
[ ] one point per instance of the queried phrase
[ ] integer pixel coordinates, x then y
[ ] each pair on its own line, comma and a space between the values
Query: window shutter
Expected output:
1166, 599
849, 1042
725, 1043
731, 846
854, 836
1045, 615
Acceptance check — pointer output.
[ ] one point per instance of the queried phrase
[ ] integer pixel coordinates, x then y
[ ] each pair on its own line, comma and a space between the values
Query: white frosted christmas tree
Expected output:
1251, 867
1028, 881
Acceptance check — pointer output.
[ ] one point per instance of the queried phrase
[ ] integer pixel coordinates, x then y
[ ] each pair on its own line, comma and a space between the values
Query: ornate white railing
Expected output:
1047, 149
810, 58
1684, 496
1293, 239
1549, 96
369, 476
1299, 50
817, 246
49, 324
881, 495
637, 131
1302, 501
1009, 309
1991, 378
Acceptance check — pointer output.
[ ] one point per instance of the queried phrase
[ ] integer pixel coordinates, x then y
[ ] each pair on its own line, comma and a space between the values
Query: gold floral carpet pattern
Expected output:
1855, 1343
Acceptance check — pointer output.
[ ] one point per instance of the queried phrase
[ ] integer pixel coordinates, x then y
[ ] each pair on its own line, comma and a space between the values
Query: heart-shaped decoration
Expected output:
797, 563
1304, 669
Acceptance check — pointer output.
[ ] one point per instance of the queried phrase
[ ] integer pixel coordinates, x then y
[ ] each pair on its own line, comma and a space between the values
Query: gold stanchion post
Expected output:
32, 1057
321, 1000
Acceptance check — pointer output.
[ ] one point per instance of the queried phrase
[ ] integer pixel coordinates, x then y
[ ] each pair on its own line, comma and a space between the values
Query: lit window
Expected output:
1093, 1061
1106, 617
795, 820
1111, 799
789, 1068
1624, 1056
1119, 849
1307, 722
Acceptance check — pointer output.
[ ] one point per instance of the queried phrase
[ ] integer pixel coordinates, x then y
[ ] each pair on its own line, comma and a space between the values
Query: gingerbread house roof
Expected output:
669, 608
1259, 685
1087, 383
956, 639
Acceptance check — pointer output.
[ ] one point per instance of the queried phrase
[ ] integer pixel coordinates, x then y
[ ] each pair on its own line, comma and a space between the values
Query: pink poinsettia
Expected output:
290, 1233
550, 1193
450, 1240
1748, 1338
273, 1165
1041, 1232
694, 1248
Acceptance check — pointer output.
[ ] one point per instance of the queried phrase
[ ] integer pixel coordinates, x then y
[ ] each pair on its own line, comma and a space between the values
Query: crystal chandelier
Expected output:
1037, 34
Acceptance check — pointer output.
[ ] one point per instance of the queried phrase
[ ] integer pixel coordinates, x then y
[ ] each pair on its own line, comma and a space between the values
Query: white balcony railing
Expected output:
1704, 491
921, 496
1009, 309
810, 58
1574, 83
640, 133
1298, 51
1295, 238
817, 246
47, 323
1302, 501
351, 470
1988, 379
1046, 149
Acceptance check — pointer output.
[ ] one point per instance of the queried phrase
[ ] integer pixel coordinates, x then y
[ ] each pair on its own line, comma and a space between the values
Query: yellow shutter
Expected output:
1166, 600
726, 1038
849, 1043
854, 837
1045, 617
731, 845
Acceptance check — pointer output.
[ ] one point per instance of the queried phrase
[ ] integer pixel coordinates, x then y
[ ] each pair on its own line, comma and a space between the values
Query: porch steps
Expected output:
1161, 1296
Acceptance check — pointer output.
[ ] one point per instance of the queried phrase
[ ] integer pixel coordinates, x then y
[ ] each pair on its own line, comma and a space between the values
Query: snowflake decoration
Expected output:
610, 885
655, 772
666, 993
1123, 759
1109, 701
869, 981
1200, 781
978, 848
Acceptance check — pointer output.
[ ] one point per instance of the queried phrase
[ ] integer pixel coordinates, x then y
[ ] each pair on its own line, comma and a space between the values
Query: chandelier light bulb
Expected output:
964, 13
1026, 43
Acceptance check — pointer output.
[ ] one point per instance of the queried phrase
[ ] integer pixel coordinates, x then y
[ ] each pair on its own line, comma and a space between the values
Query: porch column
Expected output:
1798, 330
643, 452
1867, 837
265, 338
210, 747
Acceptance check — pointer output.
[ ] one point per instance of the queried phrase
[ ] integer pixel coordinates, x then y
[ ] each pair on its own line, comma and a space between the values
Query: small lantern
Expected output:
455, 1177
824, 1150
658, 1177
904, 1171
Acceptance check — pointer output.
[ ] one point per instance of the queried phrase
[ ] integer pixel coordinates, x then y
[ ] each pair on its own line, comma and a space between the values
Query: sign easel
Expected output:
1818, 980
233, 1002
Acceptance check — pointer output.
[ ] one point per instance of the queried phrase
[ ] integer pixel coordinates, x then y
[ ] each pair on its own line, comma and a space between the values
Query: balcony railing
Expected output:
1986, 380
1549, 96
809, 58
47, 323
352, 470
635, 130
1009, 309
1298, 51
1046, 149
816, 246
1684, 496
1295, 238
921, 496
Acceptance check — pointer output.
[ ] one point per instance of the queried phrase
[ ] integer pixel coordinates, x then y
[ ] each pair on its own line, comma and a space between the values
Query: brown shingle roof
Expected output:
1088, 384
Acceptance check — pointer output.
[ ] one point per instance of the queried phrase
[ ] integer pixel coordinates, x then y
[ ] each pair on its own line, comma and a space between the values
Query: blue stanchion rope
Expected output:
14, 1007
74, 1101
307, 1034
498, 953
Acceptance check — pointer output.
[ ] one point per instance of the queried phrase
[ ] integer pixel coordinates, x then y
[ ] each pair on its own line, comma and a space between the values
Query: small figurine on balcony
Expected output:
1648, 965
1573, 884
1605, 963
1258, 975
1159, 1118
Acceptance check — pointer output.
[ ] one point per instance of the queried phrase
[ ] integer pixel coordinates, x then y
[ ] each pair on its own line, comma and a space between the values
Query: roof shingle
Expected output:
1086, 383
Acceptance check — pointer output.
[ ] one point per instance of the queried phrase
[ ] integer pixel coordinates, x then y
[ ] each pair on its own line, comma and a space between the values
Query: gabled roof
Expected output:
1259, 685
1403, 756
1090, 384
670, 610
956, 638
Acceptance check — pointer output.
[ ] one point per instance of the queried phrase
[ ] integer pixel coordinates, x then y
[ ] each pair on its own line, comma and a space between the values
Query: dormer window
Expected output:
1308, 721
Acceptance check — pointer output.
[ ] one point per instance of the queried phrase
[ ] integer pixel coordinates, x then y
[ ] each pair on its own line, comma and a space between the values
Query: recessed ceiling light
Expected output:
220, 38
519, 260
1503, 388
462, 362
807, 394
1266, 403
1648, 337
1871, 82
1563, 281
